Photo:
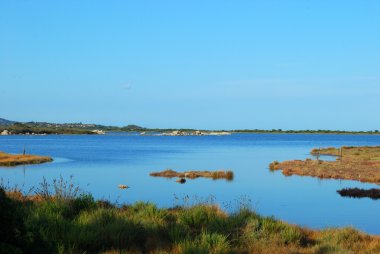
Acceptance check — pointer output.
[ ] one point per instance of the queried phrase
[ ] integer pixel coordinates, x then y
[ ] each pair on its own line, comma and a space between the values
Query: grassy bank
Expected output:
64, 221
9, 160
352, 163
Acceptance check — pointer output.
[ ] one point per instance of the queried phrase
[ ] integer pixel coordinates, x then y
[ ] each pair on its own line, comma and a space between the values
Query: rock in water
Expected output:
181, 180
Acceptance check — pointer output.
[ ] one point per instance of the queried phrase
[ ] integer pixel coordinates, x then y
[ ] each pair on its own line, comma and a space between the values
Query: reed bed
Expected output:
352, 163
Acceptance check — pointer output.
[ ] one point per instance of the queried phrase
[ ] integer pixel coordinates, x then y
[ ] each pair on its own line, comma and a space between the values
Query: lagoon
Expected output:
99, 163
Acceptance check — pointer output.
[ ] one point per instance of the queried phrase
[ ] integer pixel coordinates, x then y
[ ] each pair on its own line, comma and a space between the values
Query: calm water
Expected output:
100, 163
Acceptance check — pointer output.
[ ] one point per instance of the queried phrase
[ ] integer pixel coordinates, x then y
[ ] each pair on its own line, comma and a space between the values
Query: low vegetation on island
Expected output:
60, 219
10, 160
352, 163
192, 174
360, 193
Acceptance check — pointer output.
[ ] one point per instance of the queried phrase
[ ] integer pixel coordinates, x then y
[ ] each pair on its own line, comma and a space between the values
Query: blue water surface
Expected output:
99, 163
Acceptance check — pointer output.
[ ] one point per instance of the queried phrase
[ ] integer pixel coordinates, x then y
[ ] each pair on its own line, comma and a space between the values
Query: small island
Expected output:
11, 160
219, 174
360, 193
352, 163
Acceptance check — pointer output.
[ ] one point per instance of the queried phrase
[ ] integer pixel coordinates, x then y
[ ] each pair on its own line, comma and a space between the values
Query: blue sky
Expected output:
196, 64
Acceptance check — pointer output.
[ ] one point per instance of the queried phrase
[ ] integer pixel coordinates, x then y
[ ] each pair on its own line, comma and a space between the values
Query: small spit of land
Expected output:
9, 160
360, 193
67, 221
352, 163
219, 174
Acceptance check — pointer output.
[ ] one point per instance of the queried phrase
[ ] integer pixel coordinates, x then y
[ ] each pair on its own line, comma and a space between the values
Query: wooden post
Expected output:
318, 154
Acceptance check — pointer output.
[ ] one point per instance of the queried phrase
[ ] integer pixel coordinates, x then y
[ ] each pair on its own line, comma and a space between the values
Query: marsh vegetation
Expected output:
192, 174
9, 160
352, 163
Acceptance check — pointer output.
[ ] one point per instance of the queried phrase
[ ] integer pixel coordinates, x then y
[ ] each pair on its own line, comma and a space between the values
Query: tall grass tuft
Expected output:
60, 189
206, 243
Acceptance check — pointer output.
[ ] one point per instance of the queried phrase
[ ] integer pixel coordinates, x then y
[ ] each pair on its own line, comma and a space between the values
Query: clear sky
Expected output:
196, 64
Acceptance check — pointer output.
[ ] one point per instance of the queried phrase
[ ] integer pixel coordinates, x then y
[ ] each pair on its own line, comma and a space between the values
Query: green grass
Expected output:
73, 222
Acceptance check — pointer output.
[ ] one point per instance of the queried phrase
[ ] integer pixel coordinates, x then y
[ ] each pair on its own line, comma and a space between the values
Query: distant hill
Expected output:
5, 122
60, 128
132, 127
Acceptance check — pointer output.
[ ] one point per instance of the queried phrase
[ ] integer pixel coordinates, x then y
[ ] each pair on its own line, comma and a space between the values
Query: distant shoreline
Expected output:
43, 128
7, 132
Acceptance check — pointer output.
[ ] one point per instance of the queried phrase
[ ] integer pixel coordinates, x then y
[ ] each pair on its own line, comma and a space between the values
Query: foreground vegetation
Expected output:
352, 163
67, 221
9, 160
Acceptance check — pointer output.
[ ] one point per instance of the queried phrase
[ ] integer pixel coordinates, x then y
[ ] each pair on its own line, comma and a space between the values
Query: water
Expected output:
99, 163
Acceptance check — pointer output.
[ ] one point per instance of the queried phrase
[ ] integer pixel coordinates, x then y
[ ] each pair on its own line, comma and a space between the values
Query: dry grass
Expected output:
10, 160
352, 163
220, 174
